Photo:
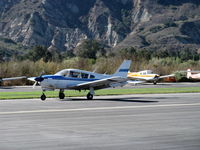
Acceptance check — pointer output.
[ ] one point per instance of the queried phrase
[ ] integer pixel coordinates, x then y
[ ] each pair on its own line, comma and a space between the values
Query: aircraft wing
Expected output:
137, 78
195, 71
153, 78
166, 76
13, 78
135, 82
99, 84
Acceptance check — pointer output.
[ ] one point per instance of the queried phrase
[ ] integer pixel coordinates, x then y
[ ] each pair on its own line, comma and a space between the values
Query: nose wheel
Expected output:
43, 97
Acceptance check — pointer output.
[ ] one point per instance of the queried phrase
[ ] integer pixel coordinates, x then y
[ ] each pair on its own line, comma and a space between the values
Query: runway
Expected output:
141, 122
144, 85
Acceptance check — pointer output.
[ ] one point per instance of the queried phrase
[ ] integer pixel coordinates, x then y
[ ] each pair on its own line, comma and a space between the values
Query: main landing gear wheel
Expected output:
43, 97
61, 95
89, 96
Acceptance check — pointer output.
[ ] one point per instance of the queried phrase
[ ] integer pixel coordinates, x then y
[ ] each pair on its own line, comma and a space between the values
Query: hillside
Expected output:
9, 48
63, 24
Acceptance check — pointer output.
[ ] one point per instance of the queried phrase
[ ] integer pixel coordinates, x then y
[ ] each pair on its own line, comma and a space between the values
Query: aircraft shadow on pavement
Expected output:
129, 99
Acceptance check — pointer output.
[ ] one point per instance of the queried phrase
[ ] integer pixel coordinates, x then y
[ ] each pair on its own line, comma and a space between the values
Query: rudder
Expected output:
189, 73
122, 71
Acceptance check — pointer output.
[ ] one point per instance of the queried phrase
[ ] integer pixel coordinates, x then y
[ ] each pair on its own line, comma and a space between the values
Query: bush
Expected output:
40, 52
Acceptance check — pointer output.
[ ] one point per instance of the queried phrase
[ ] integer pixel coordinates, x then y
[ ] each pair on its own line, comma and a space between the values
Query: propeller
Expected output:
34, 84
156, 77
36, 80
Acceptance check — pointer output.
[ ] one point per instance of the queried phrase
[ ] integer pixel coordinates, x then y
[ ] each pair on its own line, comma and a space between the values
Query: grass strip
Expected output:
72, 93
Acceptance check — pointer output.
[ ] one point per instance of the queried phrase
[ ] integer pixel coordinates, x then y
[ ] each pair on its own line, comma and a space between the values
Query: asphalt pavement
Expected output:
128, 122
144, 85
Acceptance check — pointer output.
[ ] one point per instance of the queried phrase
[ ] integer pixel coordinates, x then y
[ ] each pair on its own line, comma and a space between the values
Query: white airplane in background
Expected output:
12, 78
75, 79
193, 74
147, 75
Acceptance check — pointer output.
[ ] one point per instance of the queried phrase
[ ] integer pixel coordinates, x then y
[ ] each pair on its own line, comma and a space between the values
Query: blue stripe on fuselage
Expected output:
56, 77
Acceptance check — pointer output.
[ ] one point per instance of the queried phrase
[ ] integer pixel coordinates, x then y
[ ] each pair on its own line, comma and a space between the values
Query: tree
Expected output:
188, 54
37, 53
127, 53
90, 49
40, 52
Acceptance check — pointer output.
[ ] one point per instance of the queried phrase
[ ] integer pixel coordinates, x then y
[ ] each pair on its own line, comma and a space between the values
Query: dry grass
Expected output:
101, 65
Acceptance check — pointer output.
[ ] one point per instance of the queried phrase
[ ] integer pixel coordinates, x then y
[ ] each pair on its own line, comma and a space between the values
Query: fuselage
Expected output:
143, 75
192, 75
69, 77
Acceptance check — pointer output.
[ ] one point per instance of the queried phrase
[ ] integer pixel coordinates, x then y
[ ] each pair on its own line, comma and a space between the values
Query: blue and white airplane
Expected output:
75, 79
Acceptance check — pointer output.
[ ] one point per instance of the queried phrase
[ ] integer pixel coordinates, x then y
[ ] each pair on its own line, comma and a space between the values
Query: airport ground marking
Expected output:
96, 108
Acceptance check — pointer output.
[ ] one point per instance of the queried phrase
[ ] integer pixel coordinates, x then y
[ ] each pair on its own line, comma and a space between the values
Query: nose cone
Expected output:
32, 79
156, 76
39, 79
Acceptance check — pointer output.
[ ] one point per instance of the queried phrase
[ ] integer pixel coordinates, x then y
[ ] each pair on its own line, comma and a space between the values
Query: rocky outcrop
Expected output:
63, 24
164, 24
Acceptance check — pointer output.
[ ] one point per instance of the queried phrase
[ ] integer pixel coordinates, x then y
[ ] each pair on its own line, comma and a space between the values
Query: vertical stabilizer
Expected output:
122, 71
189, 74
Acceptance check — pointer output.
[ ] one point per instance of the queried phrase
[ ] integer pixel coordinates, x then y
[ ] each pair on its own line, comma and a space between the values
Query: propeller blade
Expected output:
34, 85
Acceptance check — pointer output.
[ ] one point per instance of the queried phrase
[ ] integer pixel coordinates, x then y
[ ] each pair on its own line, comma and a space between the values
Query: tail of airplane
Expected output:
189, 73
122, 71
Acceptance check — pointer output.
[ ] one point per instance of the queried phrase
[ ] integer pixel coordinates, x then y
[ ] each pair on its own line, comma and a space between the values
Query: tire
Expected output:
61, 95
89, 96
43, 97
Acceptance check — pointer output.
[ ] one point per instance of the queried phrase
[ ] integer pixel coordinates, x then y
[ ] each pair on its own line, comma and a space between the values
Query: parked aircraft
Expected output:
147, 75
193, 74
75, 79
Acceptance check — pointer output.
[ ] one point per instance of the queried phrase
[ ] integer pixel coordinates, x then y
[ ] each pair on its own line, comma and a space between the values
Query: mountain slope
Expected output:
64, 24
171, 25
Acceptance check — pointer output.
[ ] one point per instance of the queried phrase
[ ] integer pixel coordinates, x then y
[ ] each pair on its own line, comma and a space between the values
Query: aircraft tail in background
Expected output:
189, 73
122, 71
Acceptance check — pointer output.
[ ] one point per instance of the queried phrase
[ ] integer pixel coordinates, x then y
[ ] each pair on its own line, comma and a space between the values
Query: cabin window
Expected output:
84, 75
74, 74
92, 76
66, 74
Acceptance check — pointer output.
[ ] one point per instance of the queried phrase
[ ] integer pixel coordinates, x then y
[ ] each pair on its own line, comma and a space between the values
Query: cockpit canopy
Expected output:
75, 73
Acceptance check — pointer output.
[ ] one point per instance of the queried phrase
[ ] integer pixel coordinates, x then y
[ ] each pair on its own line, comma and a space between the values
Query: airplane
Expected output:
76, 79
12, 78
147, 75
191, 75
